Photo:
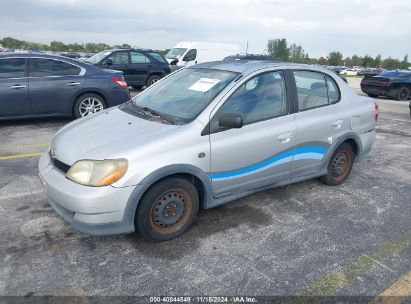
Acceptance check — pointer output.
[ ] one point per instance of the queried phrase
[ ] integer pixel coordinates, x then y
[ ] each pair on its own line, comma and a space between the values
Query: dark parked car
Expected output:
140, 67
33, 84
395, 84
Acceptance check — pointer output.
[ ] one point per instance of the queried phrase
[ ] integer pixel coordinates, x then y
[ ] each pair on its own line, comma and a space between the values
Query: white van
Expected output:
188, 53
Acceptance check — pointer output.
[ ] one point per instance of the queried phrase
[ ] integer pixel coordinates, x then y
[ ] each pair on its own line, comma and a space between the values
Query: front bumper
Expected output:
92, 210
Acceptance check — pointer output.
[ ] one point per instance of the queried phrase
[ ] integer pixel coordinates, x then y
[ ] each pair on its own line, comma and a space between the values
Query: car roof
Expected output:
47, 56
249, 66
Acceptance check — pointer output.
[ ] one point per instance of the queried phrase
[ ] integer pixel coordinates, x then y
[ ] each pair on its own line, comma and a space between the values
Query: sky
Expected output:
351, 26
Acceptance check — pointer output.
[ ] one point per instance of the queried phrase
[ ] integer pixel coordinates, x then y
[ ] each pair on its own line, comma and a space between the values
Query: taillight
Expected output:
376, 108
121, 82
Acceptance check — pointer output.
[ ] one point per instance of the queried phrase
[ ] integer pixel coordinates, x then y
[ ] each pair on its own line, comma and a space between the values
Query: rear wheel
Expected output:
339, 167
403, 93
167, 210
152, 80
88, 104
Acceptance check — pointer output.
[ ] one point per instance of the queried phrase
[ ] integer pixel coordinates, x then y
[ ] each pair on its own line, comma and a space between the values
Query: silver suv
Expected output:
201, 137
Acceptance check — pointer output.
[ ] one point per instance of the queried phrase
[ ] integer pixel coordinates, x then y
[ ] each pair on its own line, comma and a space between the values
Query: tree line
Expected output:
57, 46
276, 48
280, 50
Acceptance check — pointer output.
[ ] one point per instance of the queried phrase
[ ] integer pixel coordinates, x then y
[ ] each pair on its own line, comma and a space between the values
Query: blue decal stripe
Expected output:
300, 153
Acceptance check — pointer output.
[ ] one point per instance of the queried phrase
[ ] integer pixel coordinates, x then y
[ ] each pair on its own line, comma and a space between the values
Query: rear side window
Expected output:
137, 57
333, 92
50, 67
12, 68
158, 57
315, 90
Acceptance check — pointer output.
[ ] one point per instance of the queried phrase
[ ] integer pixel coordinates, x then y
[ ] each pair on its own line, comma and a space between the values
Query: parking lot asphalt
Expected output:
303, 239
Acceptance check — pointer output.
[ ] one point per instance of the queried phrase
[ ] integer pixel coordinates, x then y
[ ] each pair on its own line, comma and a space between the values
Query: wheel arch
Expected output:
198, 177
87, 91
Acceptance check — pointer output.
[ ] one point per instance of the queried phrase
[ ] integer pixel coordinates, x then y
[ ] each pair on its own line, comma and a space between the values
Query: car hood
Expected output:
109, 134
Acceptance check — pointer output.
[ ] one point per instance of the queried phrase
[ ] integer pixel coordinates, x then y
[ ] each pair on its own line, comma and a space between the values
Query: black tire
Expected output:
372, 95
339, 167
78, 108
403, 93
167, 210
152, 79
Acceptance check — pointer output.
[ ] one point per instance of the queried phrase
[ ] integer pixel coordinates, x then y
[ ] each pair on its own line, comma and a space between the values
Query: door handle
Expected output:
285, 138
73, 84
338, 123
18, 86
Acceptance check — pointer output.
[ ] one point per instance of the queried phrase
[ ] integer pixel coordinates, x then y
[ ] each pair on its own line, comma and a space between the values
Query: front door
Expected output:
259, 153
14, 97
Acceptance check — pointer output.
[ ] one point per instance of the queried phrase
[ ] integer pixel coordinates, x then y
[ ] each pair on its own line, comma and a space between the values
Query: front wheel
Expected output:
167, 210
339, 167
88, 104
403, 93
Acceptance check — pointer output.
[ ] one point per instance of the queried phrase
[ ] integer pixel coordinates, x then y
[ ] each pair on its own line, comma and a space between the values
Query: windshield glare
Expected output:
184, 95
98, 57
175, 53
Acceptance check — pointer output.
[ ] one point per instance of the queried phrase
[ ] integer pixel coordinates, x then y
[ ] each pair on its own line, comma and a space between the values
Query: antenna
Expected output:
246, 49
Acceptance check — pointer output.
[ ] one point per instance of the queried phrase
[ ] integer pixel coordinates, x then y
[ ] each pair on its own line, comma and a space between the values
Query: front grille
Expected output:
59, 165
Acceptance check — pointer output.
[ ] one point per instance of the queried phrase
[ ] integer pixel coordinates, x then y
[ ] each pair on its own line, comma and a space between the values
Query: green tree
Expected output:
57, 46
356, 60
378, 61
335, 58
278, 49
322, 61
368, 61
297, 53
391, 63
405, 64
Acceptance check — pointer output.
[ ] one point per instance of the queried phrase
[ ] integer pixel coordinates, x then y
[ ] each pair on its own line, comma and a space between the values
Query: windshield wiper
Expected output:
158, 114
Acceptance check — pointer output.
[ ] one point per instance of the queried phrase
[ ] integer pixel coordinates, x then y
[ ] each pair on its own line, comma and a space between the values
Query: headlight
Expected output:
97, 173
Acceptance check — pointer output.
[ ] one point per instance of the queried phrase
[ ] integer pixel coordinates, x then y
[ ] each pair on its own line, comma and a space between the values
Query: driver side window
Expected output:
260, 98
119, 58
191, 55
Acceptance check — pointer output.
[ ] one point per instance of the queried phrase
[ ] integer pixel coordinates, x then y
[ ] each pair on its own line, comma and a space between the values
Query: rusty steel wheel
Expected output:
167, 209
171, 211
339, 166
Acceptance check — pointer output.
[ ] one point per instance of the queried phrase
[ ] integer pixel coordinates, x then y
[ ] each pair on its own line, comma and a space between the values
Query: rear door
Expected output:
321, 119
14, 97
139, 69
259, 153
53, 85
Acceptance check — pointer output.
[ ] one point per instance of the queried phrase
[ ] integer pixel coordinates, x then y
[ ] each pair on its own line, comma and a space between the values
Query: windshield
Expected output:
184, 95
98, 57
175, 53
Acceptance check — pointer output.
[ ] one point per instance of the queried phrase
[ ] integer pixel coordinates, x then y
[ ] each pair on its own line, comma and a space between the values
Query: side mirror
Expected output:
109, 62
230, 121
174, 62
